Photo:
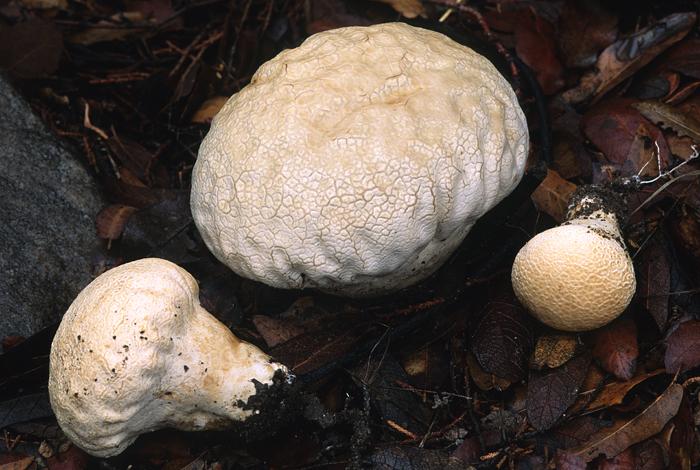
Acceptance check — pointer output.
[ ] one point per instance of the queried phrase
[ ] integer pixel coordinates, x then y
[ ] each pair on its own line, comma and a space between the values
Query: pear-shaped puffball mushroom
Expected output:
136, 352
357, 162
577, 276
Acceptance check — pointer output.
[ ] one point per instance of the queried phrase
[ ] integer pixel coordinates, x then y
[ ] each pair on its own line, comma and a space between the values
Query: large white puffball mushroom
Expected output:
577, 276
357, 162
135, 352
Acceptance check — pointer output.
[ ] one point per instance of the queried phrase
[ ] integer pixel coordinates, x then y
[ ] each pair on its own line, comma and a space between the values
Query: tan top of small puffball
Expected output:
357, 162
574, 277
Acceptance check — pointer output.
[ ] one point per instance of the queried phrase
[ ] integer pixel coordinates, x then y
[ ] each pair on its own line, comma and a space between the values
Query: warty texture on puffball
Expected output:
577, 276
357, 162
136, 352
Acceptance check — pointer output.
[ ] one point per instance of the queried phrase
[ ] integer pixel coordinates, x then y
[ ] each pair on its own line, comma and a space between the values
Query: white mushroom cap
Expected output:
136, 352
357, 162
578, 276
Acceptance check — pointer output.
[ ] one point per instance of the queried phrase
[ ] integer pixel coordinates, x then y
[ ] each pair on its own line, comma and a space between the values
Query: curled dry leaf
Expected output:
551, 393
624, 57
683, 348
610, 442
208, 110
111, 220
502, 340
614, 393
408, 8
552, 195
554, 350
615, 348
670, 118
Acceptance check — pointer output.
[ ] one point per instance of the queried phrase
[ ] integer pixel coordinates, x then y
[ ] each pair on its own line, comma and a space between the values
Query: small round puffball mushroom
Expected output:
136, 352
357, 162
577, 276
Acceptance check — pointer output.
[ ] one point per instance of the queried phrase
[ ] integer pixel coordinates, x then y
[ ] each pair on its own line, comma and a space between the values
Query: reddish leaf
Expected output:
613, 127
585, 28
684, 57
622, 461
534, 44
31, 49
551, 393
683, 348
72, 459
276, 330
111, 220
615, 348
316, 348
649, 456
649, 422
654, 282
502, 340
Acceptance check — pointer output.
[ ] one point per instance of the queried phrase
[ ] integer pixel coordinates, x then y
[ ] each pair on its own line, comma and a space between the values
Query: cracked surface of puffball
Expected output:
135, 352
357, 162
577, 276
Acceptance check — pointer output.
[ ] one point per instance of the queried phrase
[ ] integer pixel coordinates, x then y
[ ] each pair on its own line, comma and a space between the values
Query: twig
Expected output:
88, 124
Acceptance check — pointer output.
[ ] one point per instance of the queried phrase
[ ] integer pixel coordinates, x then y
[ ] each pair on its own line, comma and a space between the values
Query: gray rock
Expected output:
48, 203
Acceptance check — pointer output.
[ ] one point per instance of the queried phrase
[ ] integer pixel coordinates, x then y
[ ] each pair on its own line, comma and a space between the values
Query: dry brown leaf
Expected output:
483, 379
550, 393
111, 220
614, 393
624, 57
670, 118
554, 350
208, 110
22, 463
408, 8
649, 422
552, 195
